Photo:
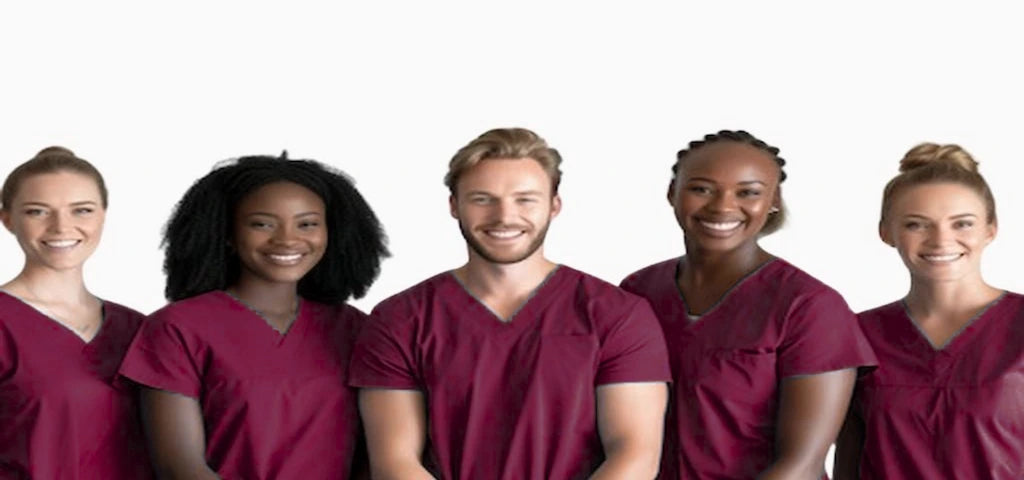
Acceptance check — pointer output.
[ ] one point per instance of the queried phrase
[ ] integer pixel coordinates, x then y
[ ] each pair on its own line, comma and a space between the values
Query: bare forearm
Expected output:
185, 471
409, 470
635, 463
785, 469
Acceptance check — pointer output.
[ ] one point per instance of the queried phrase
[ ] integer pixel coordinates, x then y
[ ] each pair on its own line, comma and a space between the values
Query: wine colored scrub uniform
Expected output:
275, 405
728, 363
515, 399
950, 412
63, 413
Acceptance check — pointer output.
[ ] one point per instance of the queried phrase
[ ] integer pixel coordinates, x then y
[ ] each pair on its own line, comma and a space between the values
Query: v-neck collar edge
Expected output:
511, 318
62, 325
721, 300
906, 311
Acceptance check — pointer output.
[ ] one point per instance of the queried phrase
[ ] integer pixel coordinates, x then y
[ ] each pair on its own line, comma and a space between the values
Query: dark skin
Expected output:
722, 198
279, 235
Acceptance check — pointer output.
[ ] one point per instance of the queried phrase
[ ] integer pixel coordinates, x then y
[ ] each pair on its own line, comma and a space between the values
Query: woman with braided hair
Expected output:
244, 373
947, 400
63, 412
763, 355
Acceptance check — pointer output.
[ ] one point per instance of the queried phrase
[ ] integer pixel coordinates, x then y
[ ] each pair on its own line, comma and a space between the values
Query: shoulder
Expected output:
786, 281
415, 297
600, 299
122, 315
195, 309
341, 313
881, 313
650, 276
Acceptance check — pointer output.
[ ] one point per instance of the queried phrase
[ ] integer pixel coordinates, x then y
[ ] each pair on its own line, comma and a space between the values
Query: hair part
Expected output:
198, 256
776, 219
929, 163
50, 160
505, 143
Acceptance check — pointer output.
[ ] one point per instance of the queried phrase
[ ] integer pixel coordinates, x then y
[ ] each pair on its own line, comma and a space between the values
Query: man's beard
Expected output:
480, 250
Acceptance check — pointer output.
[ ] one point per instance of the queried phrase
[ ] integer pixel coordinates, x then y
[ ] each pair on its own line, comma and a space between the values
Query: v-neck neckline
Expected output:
62, 326
266, 322
529, 301
697, 318
959, 333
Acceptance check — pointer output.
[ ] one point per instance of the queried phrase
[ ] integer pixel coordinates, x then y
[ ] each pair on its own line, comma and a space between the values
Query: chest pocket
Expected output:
745, 377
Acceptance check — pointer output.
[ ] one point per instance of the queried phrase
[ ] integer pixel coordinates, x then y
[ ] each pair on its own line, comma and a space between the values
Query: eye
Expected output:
83, 210
260, 225
526, 200
963, 224
698, 189
480, 200
308, 224
34, 212
748, 193
913, 225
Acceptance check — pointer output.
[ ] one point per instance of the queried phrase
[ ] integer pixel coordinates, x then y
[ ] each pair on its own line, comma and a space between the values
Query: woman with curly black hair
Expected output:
244, 373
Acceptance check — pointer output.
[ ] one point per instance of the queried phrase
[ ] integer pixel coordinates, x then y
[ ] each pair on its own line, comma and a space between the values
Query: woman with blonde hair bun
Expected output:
947, 400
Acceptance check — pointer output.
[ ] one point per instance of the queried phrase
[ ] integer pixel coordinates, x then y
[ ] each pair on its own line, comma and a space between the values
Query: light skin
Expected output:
722, 198
58, 221
279, 234
504, 207
940, 231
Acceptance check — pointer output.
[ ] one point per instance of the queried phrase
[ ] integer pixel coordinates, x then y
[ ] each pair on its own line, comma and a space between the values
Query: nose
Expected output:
941, 234
60, 221
723, 201
284, 234
508, 211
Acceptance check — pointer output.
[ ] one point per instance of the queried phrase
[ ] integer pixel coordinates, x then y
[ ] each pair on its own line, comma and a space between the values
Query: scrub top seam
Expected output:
99, 330
956, 334
533, 293
686, 307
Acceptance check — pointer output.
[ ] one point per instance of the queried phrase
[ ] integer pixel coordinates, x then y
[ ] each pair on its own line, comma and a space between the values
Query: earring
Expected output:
773, 210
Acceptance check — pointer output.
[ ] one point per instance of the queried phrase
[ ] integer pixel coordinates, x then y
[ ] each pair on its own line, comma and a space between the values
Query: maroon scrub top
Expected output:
728, 363
275, 406
950, 412
63, 414
511, 400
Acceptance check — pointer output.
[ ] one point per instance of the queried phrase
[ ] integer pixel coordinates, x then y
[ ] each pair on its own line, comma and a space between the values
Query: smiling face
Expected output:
940, 231
724, 194
280, 233
504, 207
57, 219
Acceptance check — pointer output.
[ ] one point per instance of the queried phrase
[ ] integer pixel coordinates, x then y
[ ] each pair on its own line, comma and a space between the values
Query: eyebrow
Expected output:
745, 182
954, 217
268, 214
73, 204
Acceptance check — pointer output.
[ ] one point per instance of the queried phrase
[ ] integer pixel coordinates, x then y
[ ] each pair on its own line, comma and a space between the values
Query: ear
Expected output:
556, 205
5, 217
885, 234
670, 194
452, 206
777, 199
992, 229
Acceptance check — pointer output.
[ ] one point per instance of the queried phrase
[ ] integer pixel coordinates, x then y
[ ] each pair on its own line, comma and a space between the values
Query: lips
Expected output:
942, 257
61, 244
285, 259
504, 232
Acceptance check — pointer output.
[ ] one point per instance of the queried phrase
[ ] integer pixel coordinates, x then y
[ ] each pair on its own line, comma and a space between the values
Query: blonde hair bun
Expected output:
932, 153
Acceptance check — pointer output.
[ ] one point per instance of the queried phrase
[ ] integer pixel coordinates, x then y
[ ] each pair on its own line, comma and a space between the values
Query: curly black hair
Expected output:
198, 257
741, 136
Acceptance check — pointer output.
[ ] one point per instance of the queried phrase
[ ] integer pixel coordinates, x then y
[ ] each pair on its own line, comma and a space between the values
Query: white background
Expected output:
153, 95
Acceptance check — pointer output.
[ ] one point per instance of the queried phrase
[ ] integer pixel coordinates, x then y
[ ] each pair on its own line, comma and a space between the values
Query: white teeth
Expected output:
721, 226
285, 258
942, 258
504, 233
60, 243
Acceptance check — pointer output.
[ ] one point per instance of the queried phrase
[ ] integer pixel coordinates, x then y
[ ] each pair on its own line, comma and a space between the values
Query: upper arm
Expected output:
177, 439
395, 422
631, 420
811, 411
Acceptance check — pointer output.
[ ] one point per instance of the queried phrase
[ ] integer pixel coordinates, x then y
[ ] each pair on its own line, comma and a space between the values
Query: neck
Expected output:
50, 286
703, 266
949, 298
483, 277
271, 298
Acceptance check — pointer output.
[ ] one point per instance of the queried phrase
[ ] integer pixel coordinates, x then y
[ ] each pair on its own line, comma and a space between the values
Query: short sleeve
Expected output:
383, 356
634, 349
821, 334
160, 357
